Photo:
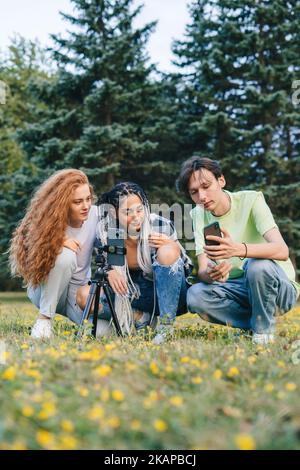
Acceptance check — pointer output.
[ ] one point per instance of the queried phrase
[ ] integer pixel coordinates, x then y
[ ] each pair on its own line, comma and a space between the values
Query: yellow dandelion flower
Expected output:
105, 395
45, 439
185, 360
48, 410
113, 422
147, 403
68, 442
92, 355
24, 346
245, 442
117, 395
4, 356
35, 374
176, 400
281, 364
9, 373
196, 380
160, 425
27, 411
154, 368
130, 366
83, 392
290, 386
109, 347
252, 359
218, 374
103, 371
269, 388
37, 397
97, 412
233, 372
67, 425
135, 425
153, 395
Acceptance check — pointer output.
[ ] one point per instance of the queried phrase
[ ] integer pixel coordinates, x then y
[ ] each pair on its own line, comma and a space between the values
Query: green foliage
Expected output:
103, 107
23, 63
238, 61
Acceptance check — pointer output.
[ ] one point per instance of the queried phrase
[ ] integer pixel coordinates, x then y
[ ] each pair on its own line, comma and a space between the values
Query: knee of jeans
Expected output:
194, 299
167, 254
65, 259
174, 268
259, 269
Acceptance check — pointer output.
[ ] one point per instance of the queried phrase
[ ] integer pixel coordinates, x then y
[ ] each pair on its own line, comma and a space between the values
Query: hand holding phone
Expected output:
212, 229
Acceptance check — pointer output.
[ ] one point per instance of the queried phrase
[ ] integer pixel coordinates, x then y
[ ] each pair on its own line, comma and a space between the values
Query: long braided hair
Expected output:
113, 198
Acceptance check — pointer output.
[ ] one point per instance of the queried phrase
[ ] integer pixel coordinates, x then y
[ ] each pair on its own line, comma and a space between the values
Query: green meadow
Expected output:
209, 388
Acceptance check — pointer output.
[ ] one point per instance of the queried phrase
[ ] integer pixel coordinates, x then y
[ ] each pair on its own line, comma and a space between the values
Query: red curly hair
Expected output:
39, 238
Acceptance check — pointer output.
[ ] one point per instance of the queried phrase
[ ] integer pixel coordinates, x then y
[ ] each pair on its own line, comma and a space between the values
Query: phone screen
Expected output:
115, 240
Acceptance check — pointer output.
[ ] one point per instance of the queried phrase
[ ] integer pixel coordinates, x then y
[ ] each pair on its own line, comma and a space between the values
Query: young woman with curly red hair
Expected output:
51, 248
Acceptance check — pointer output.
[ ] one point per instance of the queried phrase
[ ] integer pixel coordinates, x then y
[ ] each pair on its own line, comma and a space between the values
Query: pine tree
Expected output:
22, 63
239, 60
101, 106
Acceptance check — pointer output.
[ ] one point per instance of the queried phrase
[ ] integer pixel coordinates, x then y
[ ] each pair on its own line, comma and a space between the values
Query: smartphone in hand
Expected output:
212, 229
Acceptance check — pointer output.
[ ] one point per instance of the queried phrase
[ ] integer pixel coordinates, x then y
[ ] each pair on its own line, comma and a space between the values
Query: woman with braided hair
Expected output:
153, 280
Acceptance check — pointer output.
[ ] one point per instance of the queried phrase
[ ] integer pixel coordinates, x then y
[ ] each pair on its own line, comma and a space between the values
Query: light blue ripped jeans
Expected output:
170, 285
249, 302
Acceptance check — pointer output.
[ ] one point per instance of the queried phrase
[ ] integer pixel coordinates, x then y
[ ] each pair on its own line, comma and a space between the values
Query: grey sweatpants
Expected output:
58, 294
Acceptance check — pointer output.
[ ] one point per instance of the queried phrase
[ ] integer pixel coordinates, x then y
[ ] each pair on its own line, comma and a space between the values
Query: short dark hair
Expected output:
193, 164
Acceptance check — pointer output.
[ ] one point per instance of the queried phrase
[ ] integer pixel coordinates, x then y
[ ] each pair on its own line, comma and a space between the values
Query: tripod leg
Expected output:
112, 310
96, 310
87, 308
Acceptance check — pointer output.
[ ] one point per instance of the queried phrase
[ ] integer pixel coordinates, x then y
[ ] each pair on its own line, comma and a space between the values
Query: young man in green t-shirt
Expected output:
248, 277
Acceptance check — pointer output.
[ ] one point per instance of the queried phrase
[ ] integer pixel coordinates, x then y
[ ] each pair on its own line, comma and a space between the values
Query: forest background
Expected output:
95, 101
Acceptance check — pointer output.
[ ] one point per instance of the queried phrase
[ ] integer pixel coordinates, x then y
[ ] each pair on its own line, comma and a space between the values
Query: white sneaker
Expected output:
262, 338
164, 333
42, 329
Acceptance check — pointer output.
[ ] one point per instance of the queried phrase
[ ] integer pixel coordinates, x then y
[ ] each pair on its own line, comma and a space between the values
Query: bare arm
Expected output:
275, 248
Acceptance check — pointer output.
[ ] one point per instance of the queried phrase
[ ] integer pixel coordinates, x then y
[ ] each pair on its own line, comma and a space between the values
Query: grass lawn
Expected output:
207, 389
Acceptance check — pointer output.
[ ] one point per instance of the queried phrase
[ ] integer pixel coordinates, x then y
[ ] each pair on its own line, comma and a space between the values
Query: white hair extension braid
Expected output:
143, 249
122, 303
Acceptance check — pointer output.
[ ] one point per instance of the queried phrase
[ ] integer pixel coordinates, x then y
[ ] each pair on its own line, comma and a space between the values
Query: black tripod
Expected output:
99, 280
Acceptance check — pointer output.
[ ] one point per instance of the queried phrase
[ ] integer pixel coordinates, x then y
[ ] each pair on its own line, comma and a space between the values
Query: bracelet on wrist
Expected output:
246, 252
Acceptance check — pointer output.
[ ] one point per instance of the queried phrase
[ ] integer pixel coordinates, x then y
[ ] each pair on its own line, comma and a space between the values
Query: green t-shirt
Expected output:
248, 219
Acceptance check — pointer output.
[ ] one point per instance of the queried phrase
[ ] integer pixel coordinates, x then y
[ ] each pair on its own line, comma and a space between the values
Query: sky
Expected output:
37, 19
